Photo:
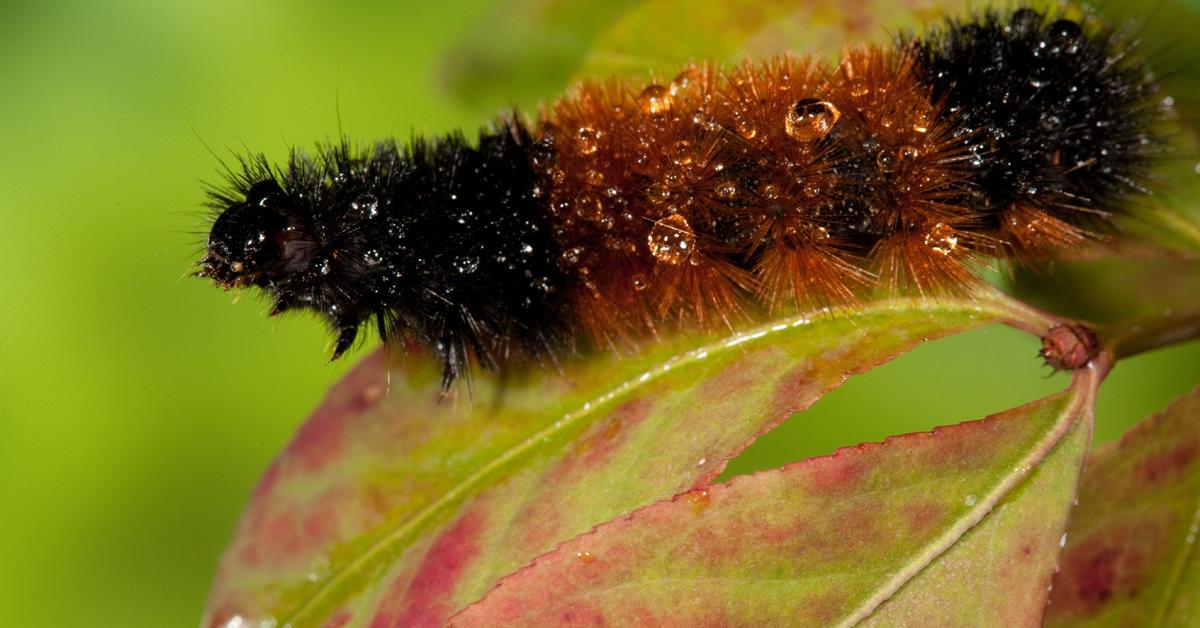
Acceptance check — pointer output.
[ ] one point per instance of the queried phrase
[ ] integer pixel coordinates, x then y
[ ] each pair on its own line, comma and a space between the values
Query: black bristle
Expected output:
443, 242
1060, 111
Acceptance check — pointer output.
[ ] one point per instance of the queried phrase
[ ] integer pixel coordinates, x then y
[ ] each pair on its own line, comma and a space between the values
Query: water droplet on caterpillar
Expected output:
727, 190
655, 100
671, 240
639, 282
658, 193
1063, 36
587, 140
366, 205
745, 129
942, 238
589, 207
684, 80
682, 153
1023, 21
593, 177
886, 160
466, 264
810, 119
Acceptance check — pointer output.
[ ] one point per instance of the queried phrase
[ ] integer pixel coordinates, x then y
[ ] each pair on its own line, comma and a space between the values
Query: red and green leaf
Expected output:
1132, 557
401, 507
960, 526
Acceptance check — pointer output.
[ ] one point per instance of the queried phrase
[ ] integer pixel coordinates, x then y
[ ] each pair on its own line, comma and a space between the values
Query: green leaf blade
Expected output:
1132, 557
954, 527
382, 496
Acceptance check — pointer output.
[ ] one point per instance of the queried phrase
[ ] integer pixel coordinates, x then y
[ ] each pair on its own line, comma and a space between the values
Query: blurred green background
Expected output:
139, 405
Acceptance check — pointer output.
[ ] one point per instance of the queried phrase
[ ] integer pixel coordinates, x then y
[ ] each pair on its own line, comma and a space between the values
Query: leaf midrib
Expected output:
989, 305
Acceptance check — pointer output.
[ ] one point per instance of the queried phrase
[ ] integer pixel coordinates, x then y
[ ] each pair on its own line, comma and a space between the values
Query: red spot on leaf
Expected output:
579, 614
1098, 570
923, 517
289, 534
1099, 575
839, 473
320, 439
607, 437
266, 483
1166, 466
339, 620
795, 391
423, 599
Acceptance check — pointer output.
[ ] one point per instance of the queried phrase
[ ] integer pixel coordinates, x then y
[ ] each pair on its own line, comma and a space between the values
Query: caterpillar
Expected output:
625, 210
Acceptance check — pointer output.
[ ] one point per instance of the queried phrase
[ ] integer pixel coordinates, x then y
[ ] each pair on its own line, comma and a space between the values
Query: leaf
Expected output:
959, 526
401, 508
530, 49
1132, 557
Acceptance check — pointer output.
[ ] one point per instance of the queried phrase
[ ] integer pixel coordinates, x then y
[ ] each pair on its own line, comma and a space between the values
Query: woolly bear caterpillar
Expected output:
716, 196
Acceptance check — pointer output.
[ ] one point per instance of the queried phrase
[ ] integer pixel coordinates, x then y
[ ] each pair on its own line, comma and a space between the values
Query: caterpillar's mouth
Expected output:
225, 273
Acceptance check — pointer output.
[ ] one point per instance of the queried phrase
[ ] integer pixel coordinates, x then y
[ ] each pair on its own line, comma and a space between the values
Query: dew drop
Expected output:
466, 264
589, 207
682, 153
970, 500
671, 240
886, 160
639, 282
770, 191
810, 119
684, 80
585, 557
727, 190
1064, 36
373, 257
908, 153
745, 129
655, 100
587, 140
593, 177
366, 205
858, 89
942, 239
658, 193
1024, 20
698, 501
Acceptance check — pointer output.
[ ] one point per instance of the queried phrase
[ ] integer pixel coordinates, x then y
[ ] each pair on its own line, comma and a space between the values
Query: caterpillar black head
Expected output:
248, 240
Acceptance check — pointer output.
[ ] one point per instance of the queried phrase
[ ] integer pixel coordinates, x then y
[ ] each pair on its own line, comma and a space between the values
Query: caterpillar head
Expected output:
247, 244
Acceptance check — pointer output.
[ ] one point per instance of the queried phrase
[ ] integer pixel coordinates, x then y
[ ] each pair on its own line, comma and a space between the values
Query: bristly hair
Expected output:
443, 243
715, 197
1064, 115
